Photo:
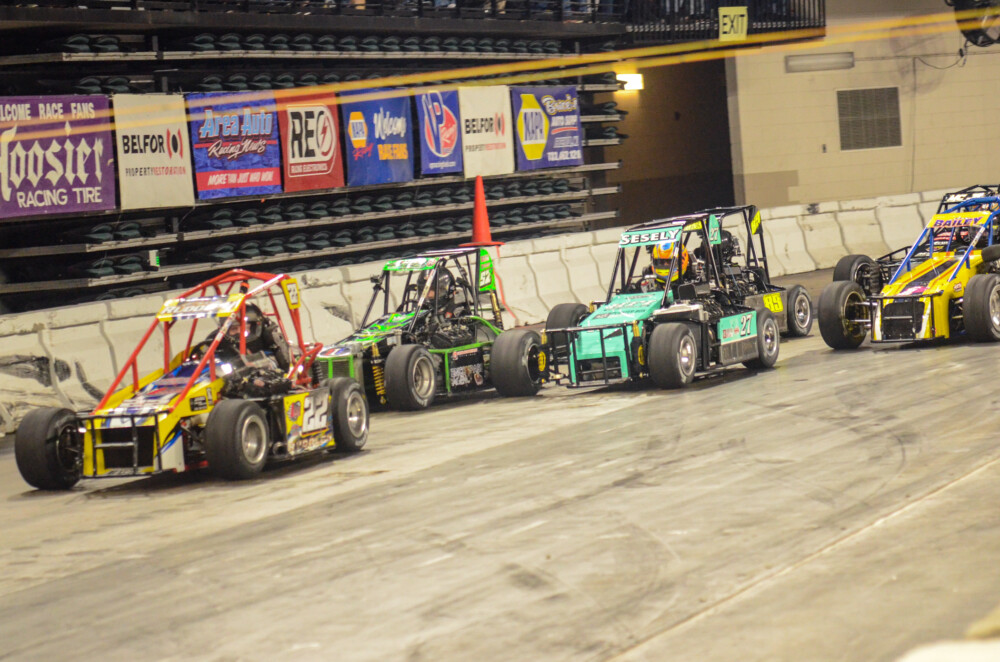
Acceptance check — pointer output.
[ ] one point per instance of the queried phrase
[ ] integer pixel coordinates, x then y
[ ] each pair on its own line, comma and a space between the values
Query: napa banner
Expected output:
235, 144
153, 151
378, 143
56, 155
547, 121
310, 143
487, 134
440, 136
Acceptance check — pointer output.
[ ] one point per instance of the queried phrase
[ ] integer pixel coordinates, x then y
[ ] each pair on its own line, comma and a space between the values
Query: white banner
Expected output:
487, 131
153, 150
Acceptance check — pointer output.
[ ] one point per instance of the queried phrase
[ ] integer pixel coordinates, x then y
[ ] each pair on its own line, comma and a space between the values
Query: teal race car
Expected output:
440, 339
670, 314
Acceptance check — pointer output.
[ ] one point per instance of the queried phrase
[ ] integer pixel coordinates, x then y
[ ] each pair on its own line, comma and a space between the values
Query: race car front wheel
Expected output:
768, 341
236, 439
837, 323
563, 315
799, 309
862, 270
410, 378
516, 363
981, 308
348, 414
48, 449
673, 355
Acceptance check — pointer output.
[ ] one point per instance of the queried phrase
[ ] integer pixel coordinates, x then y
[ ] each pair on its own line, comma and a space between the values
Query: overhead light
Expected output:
797, 64
632, 81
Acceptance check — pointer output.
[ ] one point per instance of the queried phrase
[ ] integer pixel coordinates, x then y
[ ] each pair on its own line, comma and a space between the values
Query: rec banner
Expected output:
440, 139
378, 140
548, 127
310, 139
153, 150
487, 135
235, 144
56, 155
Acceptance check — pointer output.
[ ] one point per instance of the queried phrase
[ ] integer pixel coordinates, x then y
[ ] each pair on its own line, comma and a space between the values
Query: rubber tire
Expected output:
223, 439
345, 394
765, 359
796, 292
832, 303
848, 266
665, 364
976, 312
514, 363
562, 316
399, 384
36, 450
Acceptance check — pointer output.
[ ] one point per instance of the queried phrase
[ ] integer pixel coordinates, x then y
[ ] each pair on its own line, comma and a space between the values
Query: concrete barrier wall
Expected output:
68, 356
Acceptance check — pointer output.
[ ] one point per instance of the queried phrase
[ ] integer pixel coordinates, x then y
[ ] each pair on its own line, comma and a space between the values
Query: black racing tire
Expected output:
768, 341
237, 439
348, 414
861, 269
410, 378
562, 316
981, 308
798, 307
837, 331
48, 449
672, 355
515, 367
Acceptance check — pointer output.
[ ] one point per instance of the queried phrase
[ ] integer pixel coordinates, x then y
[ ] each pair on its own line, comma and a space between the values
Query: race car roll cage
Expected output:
221, 285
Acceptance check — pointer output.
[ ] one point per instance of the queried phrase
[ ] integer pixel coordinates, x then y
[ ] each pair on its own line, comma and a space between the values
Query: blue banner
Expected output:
440, 132
547, 122
235, 145
378, 141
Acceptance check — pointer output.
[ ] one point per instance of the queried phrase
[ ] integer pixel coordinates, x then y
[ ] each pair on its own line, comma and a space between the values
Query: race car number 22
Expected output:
314, 412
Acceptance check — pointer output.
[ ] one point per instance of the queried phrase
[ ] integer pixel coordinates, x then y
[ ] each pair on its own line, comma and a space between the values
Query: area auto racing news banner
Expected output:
235, 144
547, 121
487, 134
56, 155
154, 153
310, 143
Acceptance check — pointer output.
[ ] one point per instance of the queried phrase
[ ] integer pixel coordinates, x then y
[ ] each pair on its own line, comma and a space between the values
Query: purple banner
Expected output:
56, 155
548, 127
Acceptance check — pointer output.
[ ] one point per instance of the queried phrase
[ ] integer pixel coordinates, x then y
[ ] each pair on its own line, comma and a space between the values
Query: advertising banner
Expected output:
153, 151
235, 144
56, 155
547, 121
440, 137
378, 140
487, 135
310, 141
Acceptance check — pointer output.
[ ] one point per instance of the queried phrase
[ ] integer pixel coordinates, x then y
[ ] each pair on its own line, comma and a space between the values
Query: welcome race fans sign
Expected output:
487, 134
377, 140
154, 153
235, 144
548, 127
56, 155
440, 134
310, 139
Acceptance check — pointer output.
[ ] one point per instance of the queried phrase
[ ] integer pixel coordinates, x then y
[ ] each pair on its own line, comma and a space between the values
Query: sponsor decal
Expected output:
547, 126
311, 144
440, 133
648, 237
380, 138
487, 144
154, 155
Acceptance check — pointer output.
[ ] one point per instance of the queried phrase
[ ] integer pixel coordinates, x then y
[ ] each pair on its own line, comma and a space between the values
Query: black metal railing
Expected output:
672, 21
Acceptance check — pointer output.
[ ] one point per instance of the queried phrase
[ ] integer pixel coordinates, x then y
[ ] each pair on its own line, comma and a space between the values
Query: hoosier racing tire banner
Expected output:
487, 134
153, 150
547, 123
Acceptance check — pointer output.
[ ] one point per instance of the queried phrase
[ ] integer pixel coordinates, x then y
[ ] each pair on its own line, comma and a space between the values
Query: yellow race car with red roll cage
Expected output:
230, 403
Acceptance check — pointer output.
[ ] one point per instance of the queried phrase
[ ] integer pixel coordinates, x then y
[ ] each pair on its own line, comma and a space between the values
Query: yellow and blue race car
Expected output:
946, 284
230, 403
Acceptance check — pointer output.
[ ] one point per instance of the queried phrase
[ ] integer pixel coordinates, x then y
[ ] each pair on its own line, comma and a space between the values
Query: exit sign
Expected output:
733, 23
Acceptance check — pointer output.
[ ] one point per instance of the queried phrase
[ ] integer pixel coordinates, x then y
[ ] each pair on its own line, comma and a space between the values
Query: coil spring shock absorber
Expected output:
378, 379
496, 310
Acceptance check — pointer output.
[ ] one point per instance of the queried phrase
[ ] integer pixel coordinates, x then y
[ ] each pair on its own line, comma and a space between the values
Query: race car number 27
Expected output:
773, 302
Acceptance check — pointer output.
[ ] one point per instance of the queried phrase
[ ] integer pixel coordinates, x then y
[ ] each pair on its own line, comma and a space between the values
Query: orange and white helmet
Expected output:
663, 254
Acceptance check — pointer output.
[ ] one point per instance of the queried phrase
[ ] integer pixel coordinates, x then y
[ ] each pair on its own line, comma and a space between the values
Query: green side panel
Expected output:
624, 308
487, 278
737, 327
714, 230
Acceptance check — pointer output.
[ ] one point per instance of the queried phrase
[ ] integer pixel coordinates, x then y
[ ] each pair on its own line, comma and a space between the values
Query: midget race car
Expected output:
669, 324
230, 403
440, 339
946, 284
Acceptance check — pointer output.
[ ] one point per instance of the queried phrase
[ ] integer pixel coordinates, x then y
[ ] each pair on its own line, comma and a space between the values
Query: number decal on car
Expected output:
773, 302
745, 324
316, 407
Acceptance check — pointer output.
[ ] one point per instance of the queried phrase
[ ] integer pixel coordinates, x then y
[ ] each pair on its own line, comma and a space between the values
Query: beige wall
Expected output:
784, 127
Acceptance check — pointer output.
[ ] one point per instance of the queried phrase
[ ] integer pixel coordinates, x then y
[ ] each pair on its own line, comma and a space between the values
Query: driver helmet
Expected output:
442, 290
663, 254
253, 318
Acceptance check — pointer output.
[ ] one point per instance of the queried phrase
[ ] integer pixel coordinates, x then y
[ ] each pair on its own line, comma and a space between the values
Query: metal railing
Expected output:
671, 21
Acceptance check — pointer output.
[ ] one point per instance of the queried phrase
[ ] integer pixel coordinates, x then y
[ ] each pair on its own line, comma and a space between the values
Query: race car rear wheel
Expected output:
515, 367
981, 308
862, 270
563, 315
799, 309
768, 341
673, 355
236, 439
48, 449
410, 378
348, 414
838, 329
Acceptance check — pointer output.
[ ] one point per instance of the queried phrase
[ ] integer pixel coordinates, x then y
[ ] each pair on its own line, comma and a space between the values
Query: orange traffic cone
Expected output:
480, 220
